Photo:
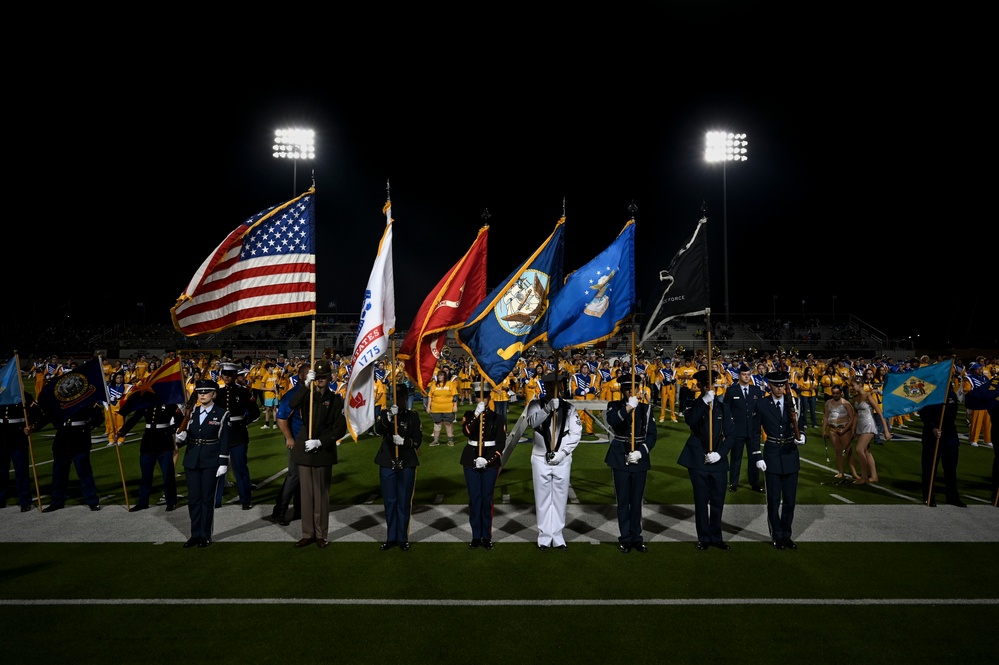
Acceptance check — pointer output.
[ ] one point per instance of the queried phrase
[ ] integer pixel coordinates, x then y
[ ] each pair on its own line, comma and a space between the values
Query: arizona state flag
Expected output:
908, 392
447, 307
515, 315
70, 393
163, 386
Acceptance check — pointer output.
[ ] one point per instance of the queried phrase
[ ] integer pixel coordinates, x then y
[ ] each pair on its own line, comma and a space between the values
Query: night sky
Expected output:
521, 115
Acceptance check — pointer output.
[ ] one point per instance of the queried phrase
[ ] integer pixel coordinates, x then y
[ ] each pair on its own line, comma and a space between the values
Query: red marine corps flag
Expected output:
447, 307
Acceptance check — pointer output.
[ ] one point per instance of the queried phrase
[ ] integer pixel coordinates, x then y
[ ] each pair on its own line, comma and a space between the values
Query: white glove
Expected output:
397, 440
557, 459
480, 462
394, 410
761, 465
552, 405
708, 397
633, 402
712, 457
310, 377
634, 456
221, 472
801, 440
182, 436
312, 445
479, 408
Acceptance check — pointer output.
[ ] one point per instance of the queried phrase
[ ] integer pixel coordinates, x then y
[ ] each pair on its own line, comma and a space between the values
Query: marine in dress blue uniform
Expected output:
397, 459
481, 466
743, 398
705, 455
14, 428
242, 407
628, 457
206, 460
156, 449
71, 447
782, 461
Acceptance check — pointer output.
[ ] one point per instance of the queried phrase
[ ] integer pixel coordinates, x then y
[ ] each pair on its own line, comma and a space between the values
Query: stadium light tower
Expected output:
725, 147
295, 144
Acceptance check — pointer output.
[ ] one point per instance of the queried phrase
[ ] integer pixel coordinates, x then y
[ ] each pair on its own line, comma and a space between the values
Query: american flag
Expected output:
265, 269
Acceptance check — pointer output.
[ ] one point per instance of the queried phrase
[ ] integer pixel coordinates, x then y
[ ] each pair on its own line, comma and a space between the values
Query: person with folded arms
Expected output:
397, 459
481, 459
206, 460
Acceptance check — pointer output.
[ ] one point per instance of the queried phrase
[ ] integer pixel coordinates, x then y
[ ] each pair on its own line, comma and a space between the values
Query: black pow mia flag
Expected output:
683, 287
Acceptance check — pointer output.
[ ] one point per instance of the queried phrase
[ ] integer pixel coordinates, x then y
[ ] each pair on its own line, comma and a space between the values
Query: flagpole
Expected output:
27, 423
312, 365
634, 361
114, 428
936, 448
395, 418
711, 384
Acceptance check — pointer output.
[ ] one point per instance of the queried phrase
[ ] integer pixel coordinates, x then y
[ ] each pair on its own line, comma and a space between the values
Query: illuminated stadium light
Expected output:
294, 144
725, 147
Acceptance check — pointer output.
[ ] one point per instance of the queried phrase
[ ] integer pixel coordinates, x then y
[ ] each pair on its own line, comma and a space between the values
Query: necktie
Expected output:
745, 393
204, 414
780, 406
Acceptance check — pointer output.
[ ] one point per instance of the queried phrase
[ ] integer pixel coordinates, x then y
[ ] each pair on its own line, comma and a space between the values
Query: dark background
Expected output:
858, 196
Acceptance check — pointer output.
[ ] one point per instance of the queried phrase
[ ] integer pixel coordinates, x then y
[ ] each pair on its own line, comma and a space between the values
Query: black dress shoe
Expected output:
95, 508
732, 488
702, 547
933, 503
958, 503
778, 544
790, 544
172, 508
135, 508
757, 488
247, 506
563, 546
476, 543
218, 505
640, 547
304, 542
542, 547
722, 546
205, 542
624, 549
487, 544
25, 509
387, 546
52, 507
404, 546
191, 542
323, 543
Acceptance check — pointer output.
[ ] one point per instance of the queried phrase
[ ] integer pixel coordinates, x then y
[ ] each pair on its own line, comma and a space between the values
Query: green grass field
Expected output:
267, 602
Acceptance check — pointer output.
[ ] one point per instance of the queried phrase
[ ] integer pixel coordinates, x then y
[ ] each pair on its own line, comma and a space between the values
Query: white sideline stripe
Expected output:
427, 602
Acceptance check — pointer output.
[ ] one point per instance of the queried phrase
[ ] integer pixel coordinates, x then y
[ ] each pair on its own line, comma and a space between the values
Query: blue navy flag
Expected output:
74, 391
515, 315
597, 298
683, 286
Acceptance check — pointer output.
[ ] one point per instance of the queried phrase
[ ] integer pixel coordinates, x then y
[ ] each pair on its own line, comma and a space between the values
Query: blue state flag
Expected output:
10, 384
70, 393
596, 299
515, 315
908, 392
